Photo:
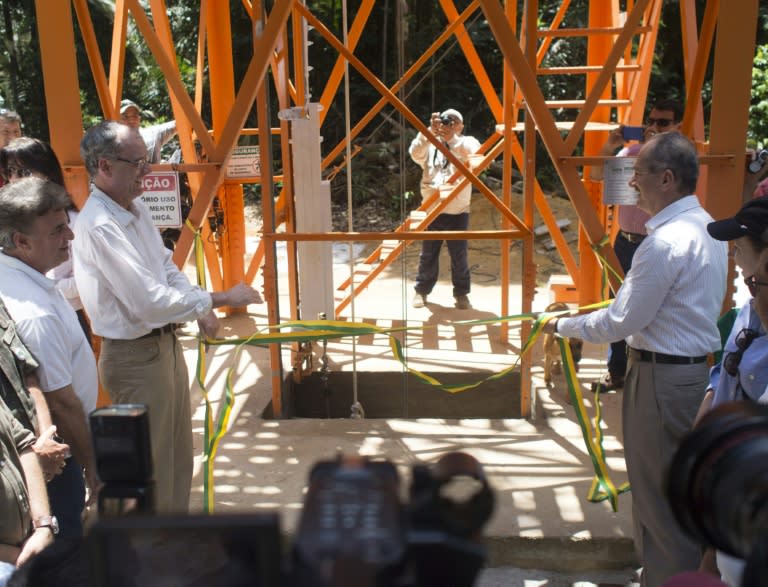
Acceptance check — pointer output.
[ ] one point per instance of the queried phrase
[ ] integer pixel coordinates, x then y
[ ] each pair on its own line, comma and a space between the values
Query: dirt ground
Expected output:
484, 255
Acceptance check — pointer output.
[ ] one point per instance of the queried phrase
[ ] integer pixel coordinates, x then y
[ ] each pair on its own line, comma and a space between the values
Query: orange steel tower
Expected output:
620, 37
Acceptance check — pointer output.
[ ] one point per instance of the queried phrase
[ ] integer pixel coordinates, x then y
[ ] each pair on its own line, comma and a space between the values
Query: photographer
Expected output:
438, 170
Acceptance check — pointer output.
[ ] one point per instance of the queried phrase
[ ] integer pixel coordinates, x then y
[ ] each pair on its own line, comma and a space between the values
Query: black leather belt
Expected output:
651, 357
632, 237
158, 331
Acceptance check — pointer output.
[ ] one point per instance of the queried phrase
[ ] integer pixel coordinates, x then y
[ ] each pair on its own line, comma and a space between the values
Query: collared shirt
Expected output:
670, 299
752, 377
63, 274
49, 327
16, 362
125, 276
438, 170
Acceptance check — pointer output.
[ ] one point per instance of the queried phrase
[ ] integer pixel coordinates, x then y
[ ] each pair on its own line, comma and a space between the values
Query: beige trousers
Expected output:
151, 371
660, 403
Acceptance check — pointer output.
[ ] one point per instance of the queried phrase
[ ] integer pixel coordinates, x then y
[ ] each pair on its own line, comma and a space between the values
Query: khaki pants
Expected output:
151, 371
660, 403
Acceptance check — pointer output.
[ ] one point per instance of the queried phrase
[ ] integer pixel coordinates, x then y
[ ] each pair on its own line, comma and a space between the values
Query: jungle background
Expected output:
384, 180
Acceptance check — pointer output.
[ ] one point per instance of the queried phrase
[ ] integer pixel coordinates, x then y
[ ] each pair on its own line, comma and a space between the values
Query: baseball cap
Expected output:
752, 220
451, 113
127, 105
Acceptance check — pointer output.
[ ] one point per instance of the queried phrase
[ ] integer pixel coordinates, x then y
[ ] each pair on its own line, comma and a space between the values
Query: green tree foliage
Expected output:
21, 86
758, 110
397, 33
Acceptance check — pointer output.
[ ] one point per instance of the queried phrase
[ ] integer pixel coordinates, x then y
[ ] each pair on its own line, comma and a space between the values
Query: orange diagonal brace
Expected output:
700, 58
170, 71
254, 77
601, 83
411, 71
398, 104
117, 57
94, 58
549, 133
486, 86
337, 73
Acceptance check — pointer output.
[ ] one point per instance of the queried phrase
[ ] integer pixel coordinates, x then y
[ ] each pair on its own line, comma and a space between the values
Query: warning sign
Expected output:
161, 195
244, 162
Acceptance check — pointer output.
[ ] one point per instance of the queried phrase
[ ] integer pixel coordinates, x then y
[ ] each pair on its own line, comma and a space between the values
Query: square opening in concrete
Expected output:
400, 395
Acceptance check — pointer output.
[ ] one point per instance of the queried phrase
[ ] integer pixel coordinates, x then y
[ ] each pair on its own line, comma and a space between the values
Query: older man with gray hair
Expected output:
35, 235
666, 310
135, 296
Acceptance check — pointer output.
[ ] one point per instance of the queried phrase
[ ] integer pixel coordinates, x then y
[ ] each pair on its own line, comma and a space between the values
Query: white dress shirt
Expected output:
671, 298
48, 326
63, 274
125, 276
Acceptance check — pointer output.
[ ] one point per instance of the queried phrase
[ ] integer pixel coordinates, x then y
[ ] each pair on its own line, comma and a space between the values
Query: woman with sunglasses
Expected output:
743, 371
24, 157
742, 374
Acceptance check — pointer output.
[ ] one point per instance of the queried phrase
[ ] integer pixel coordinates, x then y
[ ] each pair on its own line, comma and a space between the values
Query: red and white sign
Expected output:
161, 195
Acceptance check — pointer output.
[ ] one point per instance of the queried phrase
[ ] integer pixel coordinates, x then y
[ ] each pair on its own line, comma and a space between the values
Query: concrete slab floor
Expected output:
539, 469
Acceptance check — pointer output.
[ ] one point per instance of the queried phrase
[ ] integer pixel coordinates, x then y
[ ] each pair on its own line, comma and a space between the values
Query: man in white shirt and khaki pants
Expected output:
135, 295
667, 310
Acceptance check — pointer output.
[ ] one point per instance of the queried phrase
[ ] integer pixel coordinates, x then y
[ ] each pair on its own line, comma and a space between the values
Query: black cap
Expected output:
752, 220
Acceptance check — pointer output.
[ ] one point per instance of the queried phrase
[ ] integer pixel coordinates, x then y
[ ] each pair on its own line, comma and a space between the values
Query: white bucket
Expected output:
616, 175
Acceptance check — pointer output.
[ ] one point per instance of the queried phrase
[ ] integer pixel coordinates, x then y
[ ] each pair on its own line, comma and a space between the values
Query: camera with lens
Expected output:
355, 531
355, 527
446, 120
718, 485
757, 163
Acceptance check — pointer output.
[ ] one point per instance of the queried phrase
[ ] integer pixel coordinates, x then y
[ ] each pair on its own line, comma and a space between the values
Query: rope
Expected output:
213, 432
356, 409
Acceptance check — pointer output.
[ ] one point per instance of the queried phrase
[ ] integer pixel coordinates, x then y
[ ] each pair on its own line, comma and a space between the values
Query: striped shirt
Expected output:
671, 298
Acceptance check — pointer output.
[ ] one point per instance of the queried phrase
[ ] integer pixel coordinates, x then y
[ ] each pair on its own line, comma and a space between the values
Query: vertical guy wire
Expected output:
400, 39
356, 407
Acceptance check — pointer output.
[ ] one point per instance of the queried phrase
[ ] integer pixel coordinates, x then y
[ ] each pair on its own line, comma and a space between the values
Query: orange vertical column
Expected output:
529, 186
222, 84
731, 91
601, 15
59, 61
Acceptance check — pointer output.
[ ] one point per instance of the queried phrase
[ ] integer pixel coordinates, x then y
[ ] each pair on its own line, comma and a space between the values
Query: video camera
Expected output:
354, 531
718, 485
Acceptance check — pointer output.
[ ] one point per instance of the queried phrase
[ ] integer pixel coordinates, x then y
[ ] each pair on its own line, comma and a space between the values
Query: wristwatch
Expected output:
47, 522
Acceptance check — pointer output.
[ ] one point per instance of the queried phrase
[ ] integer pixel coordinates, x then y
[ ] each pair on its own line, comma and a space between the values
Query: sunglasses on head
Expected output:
743, 339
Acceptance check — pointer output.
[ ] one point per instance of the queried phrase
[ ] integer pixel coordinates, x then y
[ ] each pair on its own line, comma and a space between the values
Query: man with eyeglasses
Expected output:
438, 171
667, 311
135, 296
665, 116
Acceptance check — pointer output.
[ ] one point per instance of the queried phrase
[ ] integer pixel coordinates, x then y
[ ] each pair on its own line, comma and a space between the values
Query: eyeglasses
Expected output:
753, 283
446, 121
660, 122
13, 171
743, 339
137, 163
